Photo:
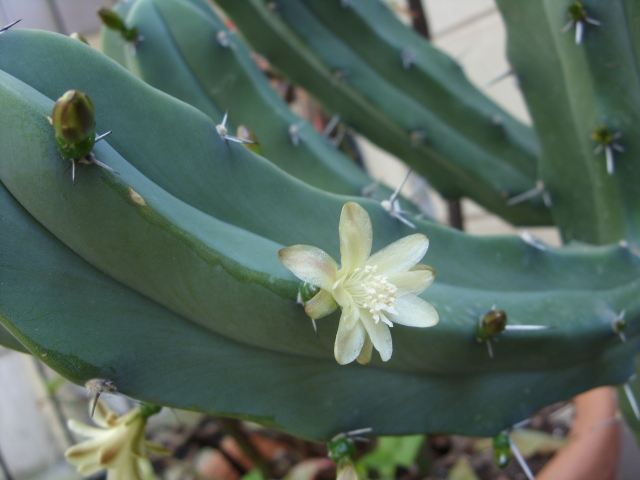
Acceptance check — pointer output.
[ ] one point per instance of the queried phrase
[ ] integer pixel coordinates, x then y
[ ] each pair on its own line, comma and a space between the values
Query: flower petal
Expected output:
414, 312
355, 236
310, 264
401, 255
413, 281
321, 305
380, 337
84, 429
365, 355
349, 342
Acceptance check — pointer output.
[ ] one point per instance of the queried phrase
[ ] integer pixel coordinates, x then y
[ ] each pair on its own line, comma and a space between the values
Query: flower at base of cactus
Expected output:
374, 291
118, 446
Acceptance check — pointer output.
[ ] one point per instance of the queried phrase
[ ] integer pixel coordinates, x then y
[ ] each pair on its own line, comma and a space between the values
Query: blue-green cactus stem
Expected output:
570, 89
374, 101
222, 77
195, 266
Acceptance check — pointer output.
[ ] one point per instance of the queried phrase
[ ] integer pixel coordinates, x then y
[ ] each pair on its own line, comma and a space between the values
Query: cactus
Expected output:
167, 273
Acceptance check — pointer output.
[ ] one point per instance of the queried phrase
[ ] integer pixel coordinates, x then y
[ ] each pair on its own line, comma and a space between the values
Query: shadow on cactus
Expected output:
165, 279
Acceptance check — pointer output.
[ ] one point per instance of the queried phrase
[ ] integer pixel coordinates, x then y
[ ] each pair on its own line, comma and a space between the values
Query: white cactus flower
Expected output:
374, 291
118, 446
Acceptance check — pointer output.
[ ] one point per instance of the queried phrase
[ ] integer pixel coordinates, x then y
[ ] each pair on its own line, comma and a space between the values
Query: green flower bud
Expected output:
113, 21
501, 450
341, 450
491, 324
73, 119
602, 135
577, 12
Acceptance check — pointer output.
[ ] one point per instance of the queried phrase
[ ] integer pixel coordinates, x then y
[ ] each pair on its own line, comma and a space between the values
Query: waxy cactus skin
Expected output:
184, 288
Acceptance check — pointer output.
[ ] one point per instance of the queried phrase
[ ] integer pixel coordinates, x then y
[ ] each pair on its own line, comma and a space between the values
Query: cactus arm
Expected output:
322, 64
84, 324
218, 269
520, 275
429, 76
570, 90
10, 341
230, 81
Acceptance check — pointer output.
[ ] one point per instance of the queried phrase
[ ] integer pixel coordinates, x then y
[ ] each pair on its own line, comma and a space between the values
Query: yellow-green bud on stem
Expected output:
73, 119
115, 22
491, 324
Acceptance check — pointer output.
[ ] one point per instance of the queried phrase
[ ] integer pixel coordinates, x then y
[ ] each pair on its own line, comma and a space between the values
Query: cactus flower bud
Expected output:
341, 450
491, 324
501, 450
115, 22
73, 119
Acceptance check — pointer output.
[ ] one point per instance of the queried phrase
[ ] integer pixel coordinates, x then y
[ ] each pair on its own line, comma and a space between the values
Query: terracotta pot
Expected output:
594, 440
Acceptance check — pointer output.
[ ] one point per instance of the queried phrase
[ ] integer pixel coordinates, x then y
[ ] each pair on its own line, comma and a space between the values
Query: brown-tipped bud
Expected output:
491, 324
73, 117
113, 21
79, 37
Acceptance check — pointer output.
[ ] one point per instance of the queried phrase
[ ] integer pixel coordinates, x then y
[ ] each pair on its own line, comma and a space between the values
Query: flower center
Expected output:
374, 293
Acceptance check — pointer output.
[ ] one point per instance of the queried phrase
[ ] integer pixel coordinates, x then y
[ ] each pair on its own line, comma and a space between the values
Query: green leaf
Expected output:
391, 453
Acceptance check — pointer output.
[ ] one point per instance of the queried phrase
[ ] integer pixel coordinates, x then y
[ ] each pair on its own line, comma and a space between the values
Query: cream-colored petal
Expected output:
401, 255
84, 456
413, 281
365, 355
380, 337
355, 236
156, 448
414, 312
349, 342
350, 316
310, 264
321, 305
83, 429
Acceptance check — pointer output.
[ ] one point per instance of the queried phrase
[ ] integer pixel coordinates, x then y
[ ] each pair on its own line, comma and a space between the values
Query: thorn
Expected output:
331, 125
392, 206
73, 171
526, 328
408, 57
98, 386
631, 399
533, 241
520, 459
294, 134
7, 27
315, 327
489, 349
579, 30
94, 160
618, 324
223, 39
100, 137
498, 79
223, 132
529, 194
354, 434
